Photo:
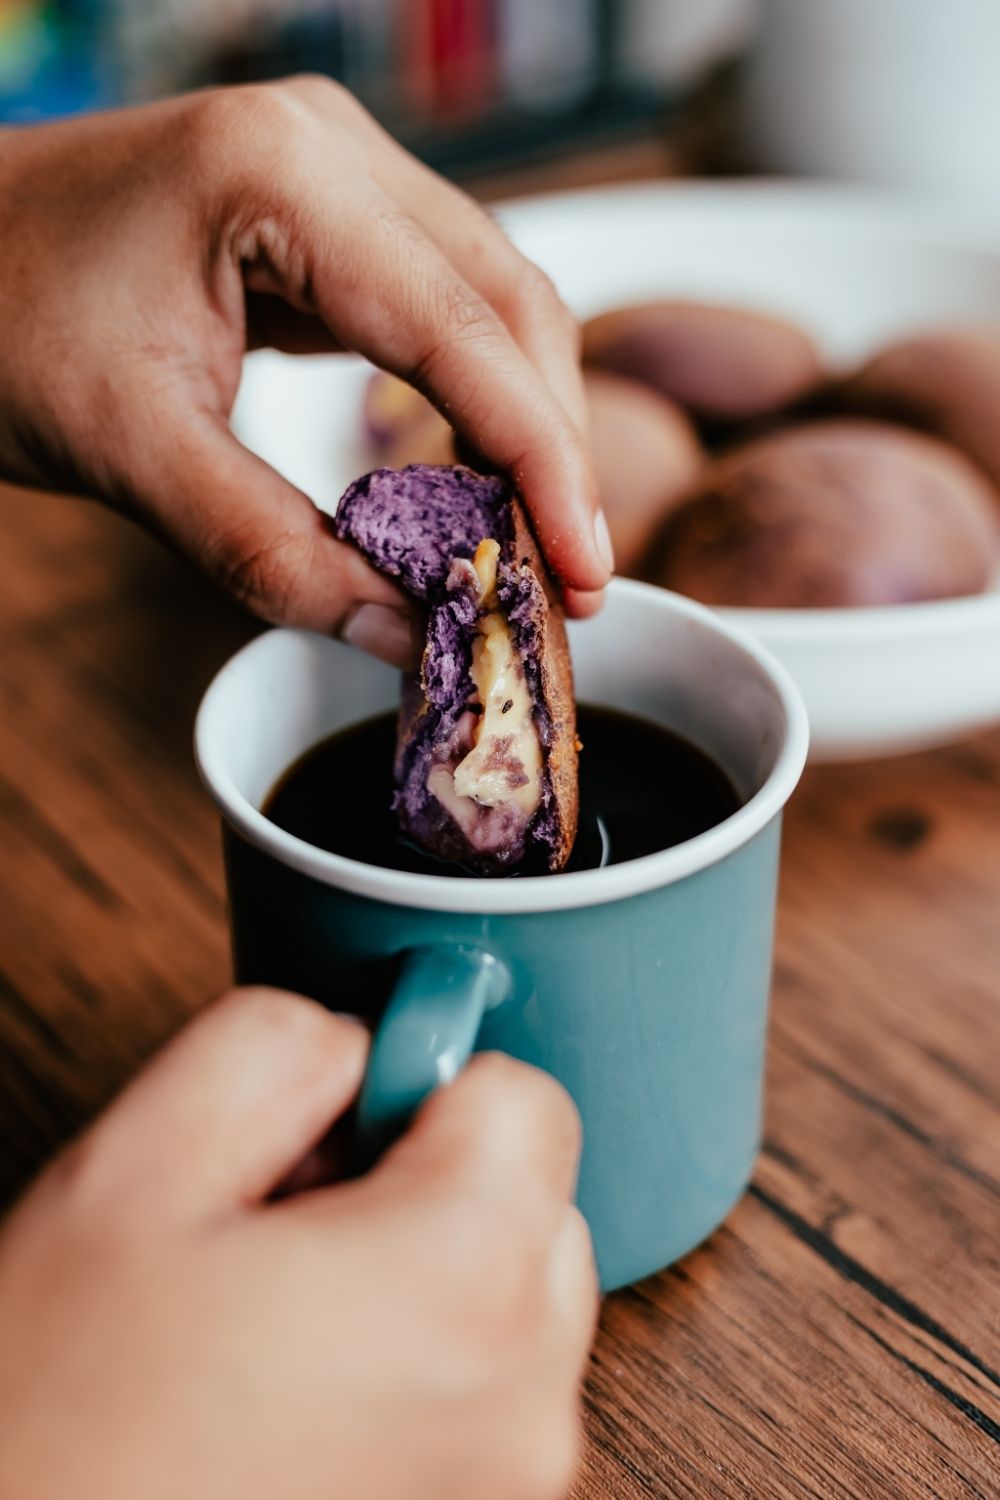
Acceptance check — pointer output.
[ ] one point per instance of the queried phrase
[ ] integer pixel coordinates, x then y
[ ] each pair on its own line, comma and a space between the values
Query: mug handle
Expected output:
426, 1035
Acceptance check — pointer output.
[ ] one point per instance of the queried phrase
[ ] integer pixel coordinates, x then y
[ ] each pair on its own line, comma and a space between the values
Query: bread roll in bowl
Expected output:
947, 383
724, 364
835, 513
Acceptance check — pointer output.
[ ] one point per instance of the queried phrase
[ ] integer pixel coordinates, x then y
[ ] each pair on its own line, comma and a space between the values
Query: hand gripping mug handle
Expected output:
426, 1036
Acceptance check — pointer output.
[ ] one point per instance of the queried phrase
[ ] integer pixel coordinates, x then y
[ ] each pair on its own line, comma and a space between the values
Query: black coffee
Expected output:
642, 788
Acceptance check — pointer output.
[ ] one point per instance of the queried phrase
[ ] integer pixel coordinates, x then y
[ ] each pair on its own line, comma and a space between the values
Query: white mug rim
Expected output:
531, 894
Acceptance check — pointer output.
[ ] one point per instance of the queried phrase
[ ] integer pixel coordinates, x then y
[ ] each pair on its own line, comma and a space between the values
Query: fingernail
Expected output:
384, 632
602, 537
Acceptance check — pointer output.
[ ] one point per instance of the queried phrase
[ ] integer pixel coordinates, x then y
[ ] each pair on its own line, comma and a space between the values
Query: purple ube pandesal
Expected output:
486, 758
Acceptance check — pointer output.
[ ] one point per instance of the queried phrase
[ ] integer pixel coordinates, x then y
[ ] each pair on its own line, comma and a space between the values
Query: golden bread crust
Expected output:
557, 692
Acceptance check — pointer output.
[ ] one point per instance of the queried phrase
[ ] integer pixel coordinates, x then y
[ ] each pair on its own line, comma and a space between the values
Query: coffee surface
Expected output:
642, 789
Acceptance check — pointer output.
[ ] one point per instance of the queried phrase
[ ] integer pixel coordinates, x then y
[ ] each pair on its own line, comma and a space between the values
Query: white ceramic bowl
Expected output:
857, 267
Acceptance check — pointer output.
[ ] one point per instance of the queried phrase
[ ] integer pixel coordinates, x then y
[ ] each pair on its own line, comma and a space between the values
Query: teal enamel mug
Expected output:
641, 986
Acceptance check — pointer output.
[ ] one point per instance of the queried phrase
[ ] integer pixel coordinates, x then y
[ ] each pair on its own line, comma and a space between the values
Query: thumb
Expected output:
266, 542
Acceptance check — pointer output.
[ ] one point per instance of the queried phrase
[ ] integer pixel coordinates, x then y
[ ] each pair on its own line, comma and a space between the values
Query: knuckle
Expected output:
539, 290
538, 299
252, 132
319, 89
465, 315
539, 1094
289, 1026
500, 1085
272, 107
213, 116
578, 1270
573, 330
276, 1011
266, 574
581, 1244
520, 1104
205, 111
562, 1114
268, 1007
310, 83
497, 1075
457, 316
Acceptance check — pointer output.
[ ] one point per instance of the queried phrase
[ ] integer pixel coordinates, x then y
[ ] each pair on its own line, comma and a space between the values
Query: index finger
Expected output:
479, 250
386, 290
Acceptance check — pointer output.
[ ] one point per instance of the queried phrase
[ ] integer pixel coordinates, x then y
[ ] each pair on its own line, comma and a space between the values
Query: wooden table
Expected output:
839, 1336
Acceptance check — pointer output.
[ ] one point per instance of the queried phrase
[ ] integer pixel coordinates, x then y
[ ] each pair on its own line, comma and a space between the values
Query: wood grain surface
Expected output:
839, 1336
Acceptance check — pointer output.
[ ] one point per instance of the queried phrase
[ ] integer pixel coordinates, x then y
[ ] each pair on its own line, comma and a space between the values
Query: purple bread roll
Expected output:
485, 770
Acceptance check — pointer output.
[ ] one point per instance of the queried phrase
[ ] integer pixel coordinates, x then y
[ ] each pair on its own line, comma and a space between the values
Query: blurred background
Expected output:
473, 86
890, 91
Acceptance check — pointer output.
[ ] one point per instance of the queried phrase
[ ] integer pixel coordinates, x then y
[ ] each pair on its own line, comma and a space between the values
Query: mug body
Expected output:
651, 1011
642, 987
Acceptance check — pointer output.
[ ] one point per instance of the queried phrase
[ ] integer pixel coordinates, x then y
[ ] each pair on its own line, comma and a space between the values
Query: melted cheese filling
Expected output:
504, 766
